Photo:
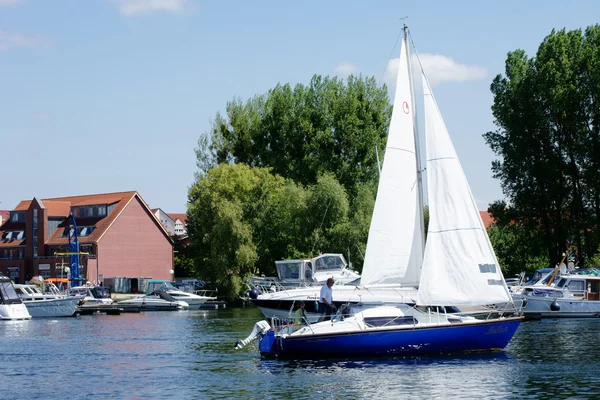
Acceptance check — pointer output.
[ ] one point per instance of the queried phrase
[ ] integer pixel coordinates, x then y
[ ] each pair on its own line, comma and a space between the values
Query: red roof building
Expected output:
119, 233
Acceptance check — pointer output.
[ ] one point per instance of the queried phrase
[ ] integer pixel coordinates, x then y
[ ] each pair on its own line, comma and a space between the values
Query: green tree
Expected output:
546, 111
329, 126
223, 207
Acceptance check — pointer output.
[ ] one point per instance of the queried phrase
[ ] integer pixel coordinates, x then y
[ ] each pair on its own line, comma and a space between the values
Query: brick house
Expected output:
117, 230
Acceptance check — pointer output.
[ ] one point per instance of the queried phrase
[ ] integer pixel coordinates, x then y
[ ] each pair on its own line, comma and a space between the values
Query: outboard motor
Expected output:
260, 329
554, 306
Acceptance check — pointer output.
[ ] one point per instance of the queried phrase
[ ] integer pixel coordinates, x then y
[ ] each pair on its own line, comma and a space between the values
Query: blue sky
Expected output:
111, 95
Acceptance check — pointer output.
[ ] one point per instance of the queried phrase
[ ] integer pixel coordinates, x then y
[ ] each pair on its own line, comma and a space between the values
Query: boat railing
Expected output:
279, 324
206, 293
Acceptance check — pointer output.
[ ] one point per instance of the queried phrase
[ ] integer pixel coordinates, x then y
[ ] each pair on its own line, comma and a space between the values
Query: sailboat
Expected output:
455, 266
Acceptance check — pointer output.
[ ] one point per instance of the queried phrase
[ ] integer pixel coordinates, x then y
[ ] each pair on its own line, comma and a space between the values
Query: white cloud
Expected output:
438, 69
10, 40
10, 2
139, 7
345, 69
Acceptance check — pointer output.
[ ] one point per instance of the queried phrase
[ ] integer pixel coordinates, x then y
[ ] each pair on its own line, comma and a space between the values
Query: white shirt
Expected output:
327, 294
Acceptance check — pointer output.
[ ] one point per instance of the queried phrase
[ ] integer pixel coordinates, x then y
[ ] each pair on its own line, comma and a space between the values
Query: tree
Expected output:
329, 126
223, 206
546, 109
241, 219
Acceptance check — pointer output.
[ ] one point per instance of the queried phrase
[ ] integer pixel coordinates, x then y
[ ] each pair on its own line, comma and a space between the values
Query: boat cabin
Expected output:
586, 287
8, 295
306, 270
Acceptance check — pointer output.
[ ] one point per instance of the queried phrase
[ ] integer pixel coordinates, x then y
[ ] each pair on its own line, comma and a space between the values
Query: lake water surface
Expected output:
190, 355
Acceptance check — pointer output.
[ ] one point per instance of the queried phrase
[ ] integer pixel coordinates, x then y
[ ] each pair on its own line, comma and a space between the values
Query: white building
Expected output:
180, 221
165, 220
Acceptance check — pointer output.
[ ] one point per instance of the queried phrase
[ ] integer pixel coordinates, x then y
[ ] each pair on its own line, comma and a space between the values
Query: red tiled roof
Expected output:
102, 224
487, 219
57, 208
181, 217
23, 205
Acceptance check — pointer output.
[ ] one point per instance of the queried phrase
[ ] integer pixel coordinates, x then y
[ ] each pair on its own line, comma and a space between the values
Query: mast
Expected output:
417, 142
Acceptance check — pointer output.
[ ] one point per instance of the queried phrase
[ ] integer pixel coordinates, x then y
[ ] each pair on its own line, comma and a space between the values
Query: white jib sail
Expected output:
395, 228
459, 266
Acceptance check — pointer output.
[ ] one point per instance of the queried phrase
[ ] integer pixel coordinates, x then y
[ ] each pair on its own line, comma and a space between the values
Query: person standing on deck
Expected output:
326, 300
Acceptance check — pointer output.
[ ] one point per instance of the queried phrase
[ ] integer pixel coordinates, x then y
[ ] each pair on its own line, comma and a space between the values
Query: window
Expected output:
99, 210
18, 235
82, 231
373, 322
17, 216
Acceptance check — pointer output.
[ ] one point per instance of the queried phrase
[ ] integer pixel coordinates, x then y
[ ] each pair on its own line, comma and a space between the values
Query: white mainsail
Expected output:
459, 266
395, 244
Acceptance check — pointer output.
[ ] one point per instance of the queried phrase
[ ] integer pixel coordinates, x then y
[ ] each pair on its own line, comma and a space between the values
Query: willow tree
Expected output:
241, 219
546, 109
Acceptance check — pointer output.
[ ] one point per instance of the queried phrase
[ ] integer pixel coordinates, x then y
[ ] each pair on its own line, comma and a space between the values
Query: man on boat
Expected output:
326, 300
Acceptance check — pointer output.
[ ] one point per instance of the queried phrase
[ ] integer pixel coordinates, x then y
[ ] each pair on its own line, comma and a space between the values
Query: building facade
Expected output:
180, 223
166, 221
117, 232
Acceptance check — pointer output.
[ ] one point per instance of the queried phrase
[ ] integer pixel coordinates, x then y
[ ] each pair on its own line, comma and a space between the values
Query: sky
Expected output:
101, 96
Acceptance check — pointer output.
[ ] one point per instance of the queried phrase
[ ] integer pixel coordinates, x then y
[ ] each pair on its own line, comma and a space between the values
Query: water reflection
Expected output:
191, 355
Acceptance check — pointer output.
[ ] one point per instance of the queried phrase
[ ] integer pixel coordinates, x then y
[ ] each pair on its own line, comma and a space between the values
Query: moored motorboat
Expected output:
575, 295
193, 300
156, 301
47, 305
11, 305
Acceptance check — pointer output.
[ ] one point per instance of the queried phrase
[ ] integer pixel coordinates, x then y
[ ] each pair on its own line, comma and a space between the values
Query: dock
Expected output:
213, 305
107, 309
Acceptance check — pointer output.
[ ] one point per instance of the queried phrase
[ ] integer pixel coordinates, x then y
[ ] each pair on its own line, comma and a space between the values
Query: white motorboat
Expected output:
92, 295
306, 272
11, 305
47, 304
193, 300
156, 301
575, 295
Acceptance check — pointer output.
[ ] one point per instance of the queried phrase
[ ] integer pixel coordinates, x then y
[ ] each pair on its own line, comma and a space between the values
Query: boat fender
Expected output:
554, 306
254, 294
267, 342
317, 306
259, 330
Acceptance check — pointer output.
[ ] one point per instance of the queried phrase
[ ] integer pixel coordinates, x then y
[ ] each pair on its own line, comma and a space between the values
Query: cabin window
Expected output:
328, 263
561, 283
375, 322
577, 286
8, 294
289, 270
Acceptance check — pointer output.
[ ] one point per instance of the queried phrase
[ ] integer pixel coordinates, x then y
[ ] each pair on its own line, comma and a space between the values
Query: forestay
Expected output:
459, 266
395, 244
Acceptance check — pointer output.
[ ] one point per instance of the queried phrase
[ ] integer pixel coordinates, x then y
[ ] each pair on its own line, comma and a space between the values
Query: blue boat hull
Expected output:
463, 337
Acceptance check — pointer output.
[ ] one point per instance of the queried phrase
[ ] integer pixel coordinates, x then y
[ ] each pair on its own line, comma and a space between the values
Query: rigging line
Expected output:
389, 58
320, 227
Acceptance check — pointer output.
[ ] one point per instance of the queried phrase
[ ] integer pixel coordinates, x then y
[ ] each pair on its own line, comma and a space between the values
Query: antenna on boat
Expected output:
417, 140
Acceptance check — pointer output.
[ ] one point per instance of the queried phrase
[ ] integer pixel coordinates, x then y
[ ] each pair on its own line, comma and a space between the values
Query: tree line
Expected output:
547, 113
293, 171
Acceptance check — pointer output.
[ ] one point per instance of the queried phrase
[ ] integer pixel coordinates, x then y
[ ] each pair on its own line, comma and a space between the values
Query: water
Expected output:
190, 355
